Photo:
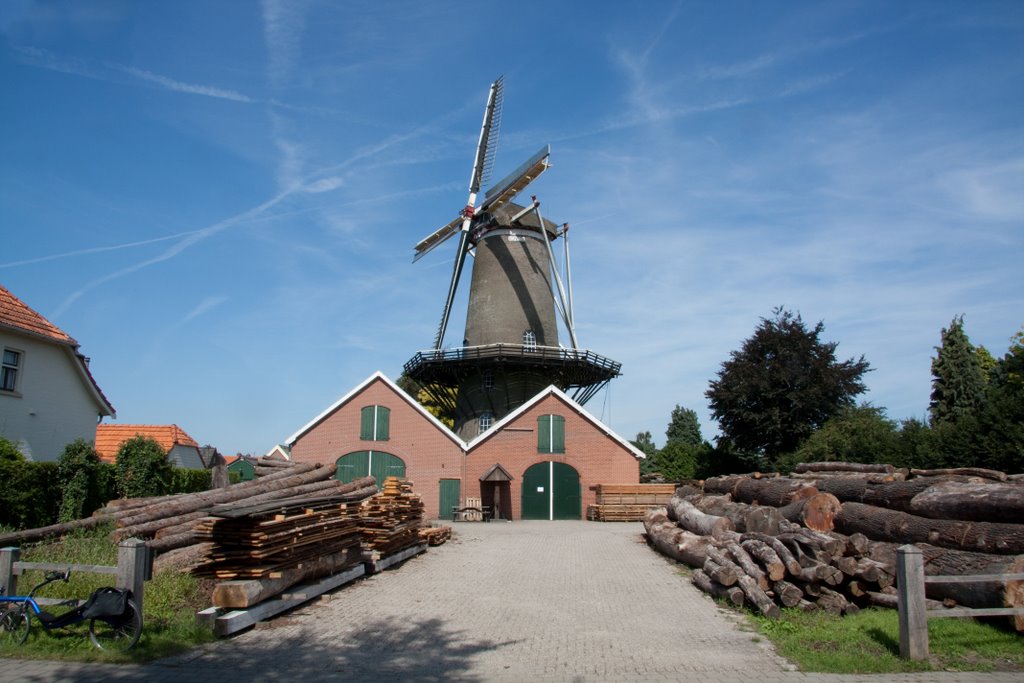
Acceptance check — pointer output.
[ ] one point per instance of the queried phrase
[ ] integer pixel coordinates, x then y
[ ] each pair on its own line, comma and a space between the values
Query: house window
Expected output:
374, 423
551, 434
529, 340
487, 380
9, 371
486, 419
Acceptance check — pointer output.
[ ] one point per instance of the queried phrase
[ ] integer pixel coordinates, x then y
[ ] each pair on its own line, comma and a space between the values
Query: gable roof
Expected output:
569, 403
375, 377
16, 315
110, 437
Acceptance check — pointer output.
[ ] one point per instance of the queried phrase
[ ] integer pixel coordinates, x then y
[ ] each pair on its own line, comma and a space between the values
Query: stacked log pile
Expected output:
391, 521
826, 537
628, 502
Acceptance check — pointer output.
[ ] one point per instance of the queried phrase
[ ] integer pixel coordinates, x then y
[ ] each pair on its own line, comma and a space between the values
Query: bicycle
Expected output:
115, 622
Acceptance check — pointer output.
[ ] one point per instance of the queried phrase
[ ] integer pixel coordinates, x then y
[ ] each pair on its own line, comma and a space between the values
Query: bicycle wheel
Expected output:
117, 634
14, 626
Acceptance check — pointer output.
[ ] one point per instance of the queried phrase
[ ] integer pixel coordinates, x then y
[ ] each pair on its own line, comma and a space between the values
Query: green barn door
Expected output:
374, 464
567, 502
449, 497
384, 465
353, 466
551, 490
536, 492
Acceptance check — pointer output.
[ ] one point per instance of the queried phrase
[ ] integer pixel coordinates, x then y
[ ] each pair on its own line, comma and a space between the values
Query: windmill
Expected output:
510, 351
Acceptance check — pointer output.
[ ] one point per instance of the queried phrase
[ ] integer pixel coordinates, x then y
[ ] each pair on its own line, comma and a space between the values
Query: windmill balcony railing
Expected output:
512, 351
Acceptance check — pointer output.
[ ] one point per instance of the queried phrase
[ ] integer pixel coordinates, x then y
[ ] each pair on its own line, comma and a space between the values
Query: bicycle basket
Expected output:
106, 603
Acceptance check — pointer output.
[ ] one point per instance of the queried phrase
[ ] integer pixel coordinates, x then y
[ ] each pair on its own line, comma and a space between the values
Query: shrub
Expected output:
142, 468
9, 452
29, 494
190, 481
77, 471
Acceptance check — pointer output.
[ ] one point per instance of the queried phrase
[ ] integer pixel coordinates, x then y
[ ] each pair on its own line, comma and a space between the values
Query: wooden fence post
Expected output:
133, 567
912, 608
8, 581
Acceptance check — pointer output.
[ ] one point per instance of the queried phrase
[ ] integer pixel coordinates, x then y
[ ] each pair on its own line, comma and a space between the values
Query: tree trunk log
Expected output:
971, 502
758, 598
733, 594
893, 601
945, 562
774, 492
816, 512
199, 501
723, 575
995, 475
787, 594
750, 568
837, 466
900, 527
183, 559
790, 562
744, 517
670, 540
768, 558
692, 519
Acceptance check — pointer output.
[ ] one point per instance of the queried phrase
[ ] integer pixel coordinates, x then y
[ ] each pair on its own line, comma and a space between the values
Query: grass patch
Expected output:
169, 608
869, 642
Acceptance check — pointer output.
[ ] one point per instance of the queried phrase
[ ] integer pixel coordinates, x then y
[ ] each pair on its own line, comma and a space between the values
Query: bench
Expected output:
473, 514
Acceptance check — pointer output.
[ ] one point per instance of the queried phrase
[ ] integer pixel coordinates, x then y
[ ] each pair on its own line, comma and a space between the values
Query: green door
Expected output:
369, 463
551, 490
449, 497
384, 465
353, 466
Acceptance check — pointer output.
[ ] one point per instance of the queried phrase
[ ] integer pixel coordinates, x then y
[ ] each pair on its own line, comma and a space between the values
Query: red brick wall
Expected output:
598, 458
431, 455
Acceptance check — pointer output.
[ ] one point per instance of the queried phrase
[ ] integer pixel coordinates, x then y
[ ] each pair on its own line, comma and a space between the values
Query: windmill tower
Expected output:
510, 350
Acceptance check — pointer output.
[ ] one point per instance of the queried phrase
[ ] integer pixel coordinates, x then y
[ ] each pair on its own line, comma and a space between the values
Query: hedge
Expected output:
30, 494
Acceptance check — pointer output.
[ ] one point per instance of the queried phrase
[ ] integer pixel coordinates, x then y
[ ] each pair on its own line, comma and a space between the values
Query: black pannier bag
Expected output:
106, 603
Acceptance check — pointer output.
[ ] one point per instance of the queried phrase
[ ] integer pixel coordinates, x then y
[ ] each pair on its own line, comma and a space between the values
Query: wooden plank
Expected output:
976, 612
20, 567
237, 620
975, 578
377, 566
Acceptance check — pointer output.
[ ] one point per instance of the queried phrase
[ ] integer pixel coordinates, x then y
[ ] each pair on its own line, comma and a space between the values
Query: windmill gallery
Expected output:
522, 444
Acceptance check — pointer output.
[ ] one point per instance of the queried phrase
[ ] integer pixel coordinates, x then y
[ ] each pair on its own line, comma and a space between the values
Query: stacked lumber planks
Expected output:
827, 539
391, 521
435, 536
628, 502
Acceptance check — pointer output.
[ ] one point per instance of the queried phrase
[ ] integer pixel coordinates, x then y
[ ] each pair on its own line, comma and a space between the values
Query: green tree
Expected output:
78, 469
142, 468
856, 434
645, 442
684, 427
9, 452
436, 399
678, 460
781, 386
958, 378
999, 441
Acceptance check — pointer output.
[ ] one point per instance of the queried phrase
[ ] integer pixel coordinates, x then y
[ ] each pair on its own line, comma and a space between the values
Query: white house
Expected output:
48, 397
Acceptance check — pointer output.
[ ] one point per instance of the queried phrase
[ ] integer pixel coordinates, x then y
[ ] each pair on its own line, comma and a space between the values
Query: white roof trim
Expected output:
558, 393
290, 441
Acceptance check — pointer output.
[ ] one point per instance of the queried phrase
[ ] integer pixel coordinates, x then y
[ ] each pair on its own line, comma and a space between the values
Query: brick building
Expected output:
539, 462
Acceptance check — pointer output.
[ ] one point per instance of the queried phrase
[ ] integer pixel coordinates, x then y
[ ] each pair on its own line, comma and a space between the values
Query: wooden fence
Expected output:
913, 612
134, 568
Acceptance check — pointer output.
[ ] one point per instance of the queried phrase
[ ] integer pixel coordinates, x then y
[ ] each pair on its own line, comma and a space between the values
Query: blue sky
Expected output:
219, 200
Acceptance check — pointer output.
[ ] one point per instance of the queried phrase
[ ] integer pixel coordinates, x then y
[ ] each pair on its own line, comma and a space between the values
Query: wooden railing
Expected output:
913, 611
134, 568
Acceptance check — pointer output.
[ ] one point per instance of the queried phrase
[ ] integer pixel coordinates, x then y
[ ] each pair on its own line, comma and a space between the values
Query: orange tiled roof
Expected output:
109, 437
16, 313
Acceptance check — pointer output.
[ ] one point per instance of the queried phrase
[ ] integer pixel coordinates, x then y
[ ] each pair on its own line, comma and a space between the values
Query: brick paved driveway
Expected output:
505, 602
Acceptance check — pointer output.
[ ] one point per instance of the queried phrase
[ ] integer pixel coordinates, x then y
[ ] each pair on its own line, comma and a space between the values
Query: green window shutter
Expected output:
544, 434
557, 434
366, 424
383, 423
